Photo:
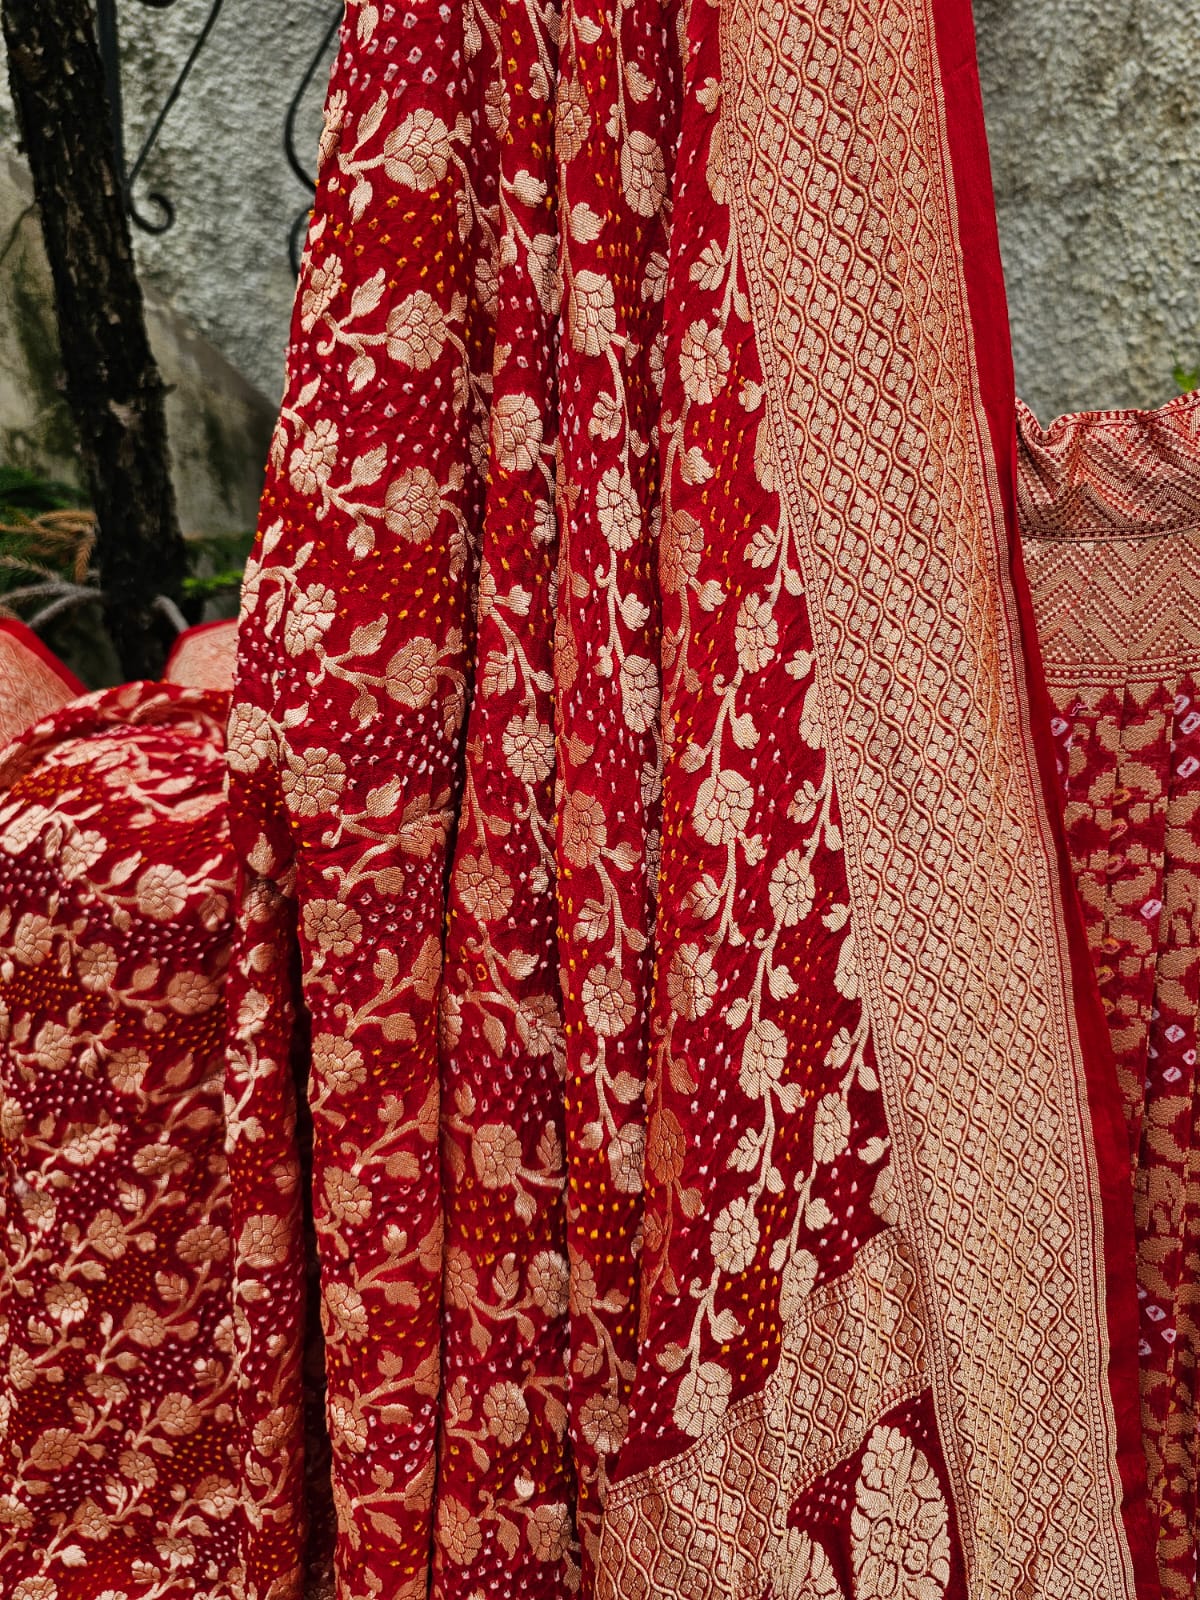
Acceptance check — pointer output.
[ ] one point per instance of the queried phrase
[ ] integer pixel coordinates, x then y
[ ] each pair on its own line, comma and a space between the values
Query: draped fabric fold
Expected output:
718, 1177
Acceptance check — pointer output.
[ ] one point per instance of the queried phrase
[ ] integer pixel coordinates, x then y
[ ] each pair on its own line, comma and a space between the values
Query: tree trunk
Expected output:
113, 385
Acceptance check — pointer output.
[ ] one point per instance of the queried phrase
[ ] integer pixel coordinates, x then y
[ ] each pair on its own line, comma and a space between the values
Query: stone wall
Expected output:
1092, 110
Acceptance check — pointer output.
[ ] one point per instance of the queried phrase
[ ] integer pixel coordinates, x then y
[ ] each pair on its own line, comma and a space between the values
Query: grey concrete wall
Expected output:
224, 265
1092, 108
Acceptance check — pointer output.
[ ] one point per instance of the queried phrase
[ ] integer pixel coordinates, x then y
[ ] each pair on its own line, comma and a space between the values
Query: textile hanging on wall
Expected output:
719, 1176
1110, 514
117, 1477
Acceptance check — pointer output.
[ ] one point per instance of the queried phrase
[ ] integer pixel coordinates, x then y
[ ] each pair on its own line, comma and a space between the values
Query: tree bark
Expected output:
113, 386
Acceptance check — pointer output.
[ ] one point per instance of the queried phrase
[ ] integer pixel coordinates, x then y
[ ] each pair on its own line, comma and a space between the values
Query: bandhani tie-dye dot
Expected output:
647, 827
1110, 511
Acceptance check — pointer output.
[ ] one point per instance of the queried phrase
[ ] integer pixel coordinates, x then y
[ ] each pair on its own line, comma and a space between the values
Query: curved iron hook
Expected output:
151, 139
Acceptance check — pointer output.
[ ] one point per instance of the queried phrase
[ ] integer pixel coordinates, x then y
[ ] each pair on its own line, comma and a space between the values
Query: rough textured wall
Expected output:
1093, 109
219, 424
224, 264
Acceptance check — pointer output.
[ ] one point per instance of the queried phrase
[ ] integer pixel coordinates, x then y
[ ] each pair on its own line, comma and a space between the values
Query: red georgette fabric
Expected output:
1110, 511
646, 842
117, 1476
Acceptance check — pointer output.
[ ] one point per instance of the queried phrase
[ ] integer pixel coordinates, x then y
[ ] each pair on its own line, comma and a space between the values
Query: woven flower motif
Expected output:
416, 331
626, 1150
549, 1531
539, 1025
756, 633
604, 1421
900, 1543
591, 313
722, 808
640, 692
516, 432
528, 746
335, 116
505, 1413
764, 1056
681, 552
178, 1415
347, 1426
161, 892
308, 619
703, 363
458, 1531
251, 738
496, 1154
735, 1235
643, 174
348, 1199
572, 120
549, 1281
312, 781
345, 1306
32, 939
584, 828
666, 1148
831, 1128
53, 1046
484, 890
36, 1589
692, 981
320, 291
411, 675
412, 505
607, 1001
96, 965
314, 458
460, 1280
617, 509
337, 1064
417, 153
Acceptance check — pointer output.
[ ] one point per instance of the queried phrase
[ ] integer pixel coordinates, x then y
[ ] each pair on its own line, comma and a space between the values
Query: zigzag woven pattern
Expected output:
1110, 512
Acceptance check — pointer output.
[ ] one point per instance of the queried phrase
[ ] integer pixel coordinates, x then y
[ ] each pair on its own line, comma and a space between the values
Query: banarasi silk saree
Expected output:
1110, 512
118, 1477
660, 1003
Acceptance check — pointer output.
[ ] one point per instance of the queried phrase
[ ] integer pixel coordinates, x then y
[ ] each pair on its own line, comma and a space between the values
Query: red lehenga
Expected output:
117, 1478
718, 1168
1110, 513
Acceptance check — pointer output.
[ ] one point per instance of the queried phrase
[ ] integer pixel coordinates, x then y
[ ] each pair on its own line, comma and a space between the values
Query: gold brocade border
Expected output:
1117, 610
833, 120
712, 1521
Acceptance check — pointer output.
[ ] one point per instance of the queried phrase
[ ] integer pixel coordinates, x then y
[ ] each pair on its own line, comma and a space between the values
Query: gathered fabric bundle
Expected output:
647, 817
117, 1474
1110, 514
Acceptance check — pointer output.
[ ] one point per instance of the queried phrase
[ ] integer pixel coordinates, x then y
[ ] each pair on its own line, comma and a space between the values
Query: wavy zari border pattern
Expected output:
833, 116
